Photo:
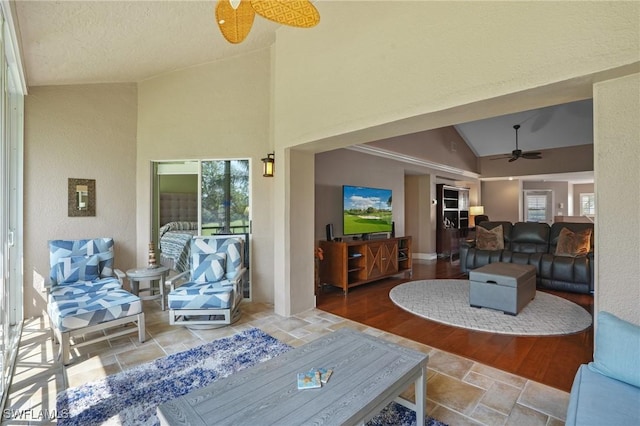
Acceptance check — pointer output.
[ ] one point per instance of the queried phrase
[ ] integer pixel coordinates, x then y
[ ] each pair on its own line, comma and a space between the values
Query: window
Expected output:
587, 204
537, 206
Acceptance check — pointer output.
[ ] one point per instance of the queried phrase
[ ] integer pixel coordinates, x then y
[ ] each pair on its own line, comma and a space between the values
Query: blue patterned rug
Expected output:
132, 396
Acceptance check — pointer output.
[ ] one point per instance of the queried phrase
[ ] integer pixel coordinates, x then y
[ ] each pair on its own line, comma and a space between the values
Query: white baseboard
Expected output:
424, 256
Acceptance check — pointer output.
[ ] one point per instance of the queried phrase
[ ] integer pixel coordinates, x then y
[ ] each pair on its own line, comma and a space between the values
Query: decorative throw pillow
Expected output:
76, 268
617, 349
233, 247
105, 263
208, 267
492, 239
573, 243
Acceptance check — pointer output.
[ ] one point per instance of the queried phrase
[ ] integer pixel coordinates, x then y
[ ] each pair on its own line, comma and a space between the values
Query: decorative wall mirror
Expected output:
82, 197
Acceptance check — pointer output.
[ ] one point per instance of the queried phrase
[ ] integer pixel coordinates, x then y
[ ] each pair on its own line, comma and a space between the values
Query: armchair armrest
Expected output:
466, 242
236, 280
173, 282
465, 246
119, 275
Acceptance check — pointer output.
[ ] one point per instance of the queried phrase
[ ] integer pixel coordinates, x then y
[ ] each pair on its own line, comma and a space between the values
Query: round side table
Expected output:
152, 275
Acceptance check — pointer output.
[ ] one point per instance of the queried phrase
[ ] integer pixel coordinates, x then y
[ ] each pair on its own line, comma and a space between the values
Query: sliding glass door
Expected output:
224, 195
224, 203
11, 235
220, 190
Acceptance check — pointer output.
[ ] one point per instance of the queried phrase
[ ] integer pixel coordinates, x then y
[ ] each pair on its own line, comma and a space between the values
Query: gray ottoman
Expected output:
507, 287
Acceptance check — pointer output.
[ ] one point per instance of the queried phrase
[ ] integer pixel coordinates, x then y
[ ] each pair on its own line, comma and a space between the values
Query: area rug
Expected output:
447, 302
132, 396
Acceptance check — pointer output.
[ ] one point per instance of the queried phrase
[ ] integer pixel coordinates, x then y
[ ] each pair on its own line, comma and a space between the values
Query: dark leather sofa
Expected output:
532, 243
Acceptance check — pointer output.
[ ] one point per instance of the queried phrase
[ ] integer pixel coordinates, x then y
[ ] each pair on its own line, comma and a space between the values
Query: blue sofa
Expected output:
607, 390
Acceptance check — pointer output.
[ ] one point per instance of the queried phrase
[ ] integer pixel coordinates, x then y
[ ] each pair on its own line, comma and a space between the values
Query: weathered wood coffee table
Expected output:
368, 374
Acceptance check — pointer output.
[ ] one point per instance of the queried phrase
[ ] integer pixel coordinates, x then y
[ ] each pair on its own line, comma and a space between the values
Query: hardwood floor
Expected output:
551, 360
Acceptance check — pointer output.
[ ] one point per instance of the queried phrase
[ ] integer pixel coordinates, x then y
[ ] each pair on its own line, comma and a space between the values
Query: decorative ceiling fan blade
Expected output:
296, 13
234, 22
514, 158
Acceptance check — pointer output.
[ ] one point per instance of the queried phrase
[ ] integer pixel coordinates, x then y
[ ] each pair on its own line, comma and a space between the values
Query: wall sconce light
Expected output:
267, 165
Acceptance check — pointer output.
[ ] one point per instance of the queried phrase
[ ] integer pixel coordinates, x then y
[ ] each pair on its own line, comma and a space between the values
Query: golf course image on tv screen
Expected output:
366, 210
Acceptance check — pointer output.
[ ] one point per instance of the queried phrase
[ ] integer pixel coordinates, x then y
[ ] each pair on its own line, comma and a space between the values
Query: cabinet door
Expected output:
382, 259
374, 260
389, 258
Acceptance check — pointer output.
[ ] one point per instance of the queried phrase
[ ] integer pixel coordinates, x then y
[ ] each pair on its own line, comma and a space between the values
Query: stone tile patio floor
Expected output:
459, 391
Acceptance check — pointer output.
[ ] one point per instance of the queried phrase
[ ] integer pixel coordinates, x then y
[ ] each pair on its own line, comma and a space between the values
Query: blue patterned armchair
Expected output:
86, 294
209, 294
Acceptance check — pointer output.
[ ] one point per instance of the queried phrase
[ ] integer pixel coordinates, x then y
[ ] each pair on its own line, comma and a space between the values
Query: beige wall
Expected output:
617, 177
214, 111
560, 192
560, 160
346, 167
501, 200
420, 215
86, 132
442, 146
407, 74
404, 79
178, 183
299, 194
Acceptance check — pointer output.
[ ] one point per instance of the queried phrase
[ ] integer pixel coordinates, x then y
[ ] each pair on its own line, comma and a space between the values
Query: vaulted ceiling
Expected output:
84, 42
545, 128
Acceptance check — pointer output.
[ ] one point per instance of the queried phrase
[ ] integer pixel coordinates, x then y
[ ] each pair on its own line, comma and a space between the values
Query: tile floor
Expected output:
459, 391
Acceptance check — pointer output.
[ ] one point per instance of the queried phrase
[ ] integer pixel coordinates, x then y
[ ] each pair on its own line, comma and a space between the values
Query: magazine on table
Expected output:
314, 378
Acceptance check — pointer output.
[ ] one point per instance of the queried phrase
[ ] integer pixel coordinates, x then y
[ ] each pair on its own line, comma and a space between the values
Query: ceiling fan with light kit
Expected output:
518, 153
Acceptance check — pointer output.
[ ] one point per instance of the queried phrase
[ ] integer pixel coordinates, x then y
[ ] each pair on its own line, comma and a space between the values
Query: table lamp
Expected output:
475, 211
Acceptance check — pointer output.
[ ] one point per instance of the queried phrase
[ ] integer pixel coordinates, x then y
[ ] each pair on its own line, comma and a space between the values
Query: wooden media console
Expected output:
352, 263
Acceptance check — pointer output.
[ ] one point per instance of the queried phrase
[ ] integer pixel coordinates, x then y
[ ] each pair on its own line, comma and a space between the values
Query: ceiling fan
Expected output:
517, 153
235, 17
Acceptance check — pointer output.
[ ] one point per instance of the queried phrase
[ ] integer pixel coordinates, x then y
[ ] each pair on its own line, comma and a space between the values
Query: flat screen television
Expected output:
366, 210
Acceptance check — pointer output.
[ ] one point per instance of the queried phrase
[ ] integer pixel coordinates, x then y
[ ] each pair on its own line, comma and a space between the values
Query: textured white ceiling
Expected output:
108, 41
77, 42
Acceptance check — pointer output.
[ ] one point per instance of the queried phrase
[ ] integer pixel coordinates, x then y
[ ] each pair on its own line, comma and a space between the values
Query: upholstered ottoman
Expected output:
506, 287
